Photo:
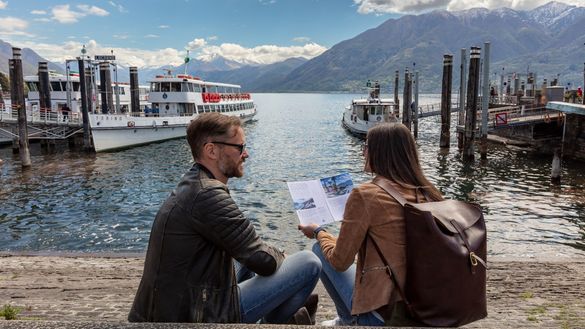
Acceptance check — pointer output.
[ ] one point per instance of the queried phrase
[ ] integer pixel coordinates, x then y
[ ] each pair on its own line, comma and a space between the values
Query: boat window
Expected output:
32, 86
176, 86
56, 86
190, 87
185, 87
165, 86
120, 90
75, 85
196, 88
154, 86
211, 89
199, 108
206, 108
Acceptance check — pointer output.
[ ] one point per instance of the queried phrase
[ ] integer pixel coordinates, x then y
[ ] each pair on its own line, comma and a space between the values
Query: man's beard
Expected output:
230, 168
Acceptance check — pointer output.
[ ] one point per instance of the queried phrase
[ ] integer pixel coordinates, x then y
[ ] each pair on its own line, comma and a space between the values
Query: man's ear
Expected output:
210, 151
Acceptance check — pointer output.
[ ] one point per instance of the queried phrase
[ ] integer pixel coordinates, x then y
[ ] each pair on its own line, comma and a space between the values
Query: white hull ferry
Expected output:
176, 101
366, 113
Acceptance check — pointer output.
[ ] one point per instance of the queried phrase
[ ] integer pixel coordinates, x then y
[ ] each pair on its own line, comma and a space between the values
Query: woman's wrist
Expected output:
317, 230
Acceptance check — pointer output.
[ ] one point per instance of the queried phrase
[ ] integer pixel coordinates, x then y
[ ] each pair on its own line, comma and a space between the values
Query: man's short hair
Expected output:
208, 126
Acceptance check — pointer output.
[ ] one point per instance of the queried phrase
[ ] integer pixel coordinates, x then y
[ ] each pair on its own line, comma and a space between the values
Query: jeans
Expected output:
339, 286
276, 298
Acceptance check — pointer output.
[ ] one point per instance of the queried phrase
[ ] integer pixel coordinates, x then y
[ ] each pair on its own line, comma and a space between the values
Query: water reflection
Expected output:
106, 202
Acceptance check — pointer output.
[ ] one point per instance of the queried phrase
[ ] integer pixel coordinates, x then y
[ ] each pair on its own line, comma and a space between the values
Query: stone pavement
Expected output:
94, 289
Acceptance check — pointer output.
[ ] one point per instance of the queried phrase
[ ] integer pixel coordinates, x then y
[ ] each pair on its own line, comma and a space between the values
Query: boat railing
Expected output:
36, 116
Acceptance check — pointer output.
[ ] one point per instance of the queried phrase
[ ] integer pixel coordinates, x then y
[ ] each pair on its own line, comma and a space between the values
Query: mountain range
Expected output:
548, 40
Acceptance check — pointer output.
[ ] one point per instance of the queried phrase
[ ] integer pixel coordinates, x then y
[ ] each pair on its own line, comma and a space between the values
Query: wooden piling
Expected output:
18, 103
44, 88
406, 111
84, 109
583, 88
396, 99
471, 108
445, 139
485, 104
555, 173
134, 91
106, 88
415, 102
462, 92
89, 90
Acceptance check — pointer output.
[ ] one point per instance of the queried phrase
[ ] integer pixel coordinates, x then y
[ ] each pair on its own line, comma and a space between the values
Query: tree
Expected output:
4, 82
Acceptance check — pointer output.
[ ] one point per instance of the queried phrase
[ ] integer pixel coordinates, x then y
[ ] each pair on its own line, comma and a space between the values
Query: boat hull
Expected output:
115, 132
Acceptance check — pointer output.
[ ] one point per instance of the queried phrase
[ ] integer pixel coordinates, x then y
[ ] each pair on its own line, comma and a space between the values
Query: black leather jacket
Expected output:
188, 271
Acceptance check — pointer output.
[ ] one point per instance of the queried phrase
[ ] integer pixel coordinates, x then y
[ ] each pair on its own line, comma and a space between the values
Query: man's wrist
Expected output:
317, 230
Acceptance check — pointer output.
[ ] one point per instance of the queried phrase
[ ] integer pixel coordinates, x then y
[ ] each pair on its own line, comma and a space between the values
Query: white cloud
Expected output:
196, 44
118, 6
3, 4
93, 10
163, 26
38, 12
417, 6
120, 36
212, 38
44, 20
63, 13
12, 24
151, 36
265, 54
301, 39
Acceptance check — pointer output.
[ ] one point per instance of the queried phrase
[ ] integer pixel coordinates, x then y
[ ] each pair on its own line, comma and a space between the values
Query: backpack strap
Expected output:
392, 276
390, 190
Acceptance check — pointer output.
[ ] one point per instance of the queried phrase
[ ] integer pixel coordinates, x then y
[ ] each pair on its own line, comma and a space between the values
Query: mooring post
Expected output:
89, 90
471, 109
18, 103
106, 88
485, 100
555, 173
415, 110
462, 93
134, 91
45, 105
406, 111
583, 89
446, 101
84, 110
396, 99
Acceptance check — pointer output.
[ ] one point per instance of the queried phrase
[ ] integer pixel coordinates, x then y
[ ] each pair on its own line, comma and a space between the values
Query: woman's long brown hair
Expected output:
392, 154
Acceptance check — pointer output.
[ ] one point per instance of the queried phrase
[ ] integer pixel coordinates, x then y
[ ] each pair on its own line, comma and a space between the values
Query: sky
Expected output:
153, 33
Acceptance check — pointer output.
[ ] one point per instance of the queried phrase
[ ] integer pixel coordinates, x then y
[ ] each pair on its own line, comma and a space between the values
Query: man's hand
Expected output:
308, 229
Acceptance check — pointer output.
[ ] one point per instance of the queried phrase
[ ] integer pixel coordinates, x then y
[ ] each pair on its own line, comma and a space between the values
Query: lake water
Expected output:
106, 202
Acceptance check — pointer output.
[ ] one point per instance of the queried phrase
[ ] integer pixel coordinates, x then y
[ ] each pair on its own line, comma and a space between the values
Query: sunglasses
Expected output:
241, 147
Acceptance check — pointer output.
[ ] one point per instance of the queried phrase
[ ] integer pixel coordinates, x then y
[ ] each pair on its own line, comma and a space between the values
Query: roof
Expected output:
566, 107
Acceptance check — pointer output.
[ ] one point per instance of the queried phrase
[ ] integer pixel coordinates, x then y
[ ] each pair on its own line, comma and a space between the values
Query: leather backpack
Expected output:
446, 250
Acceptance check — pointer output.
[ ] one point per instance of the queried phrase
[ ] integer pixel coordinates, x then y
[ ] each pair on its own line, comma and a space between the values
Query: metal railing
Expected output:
40, 116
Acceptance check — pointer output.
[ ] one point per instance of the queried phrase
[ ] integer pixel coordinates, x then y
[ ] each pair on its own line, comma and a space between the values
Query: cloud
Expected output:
151, 36
118, 6
301, 39
267, 2
44, 20
12, 24
418, 6
38, 12
196, 44
64, 15
163, 26
212, 38
265, 54
120, 36
3, 4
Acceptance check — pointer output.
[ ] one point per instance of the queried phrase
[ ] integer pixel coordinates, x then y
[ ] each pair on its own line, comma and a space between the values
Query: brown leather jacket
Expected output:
188, 271
370, 209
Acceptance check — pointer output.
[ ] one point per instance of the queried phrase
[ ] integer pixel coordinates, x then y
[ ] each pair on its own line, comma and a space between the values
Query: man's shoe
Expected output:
331, 323
311, 304
301, 317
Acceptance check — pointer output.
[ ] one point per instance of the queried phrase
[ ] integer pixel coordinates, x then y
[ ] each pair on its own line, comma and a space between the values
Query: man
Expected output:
189, 273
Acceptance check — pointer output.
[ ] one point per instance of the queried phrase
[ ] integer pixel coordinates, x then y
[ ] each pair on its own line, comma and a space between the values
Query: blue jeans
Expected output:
277, 297
339, 286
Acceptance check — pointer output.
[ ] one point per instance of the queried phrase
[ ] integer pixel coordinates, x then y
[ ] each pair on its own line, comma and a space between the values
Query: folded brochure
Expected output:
321, 201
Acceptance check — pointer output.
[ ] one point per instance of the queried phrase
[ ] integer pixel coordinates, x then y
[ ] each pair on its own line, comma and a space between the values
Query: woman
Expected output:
364, 293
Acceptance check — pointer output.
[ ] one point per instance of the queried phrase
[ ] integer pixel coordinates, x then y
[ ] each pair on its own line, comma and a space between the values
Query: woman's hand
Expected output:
308, 229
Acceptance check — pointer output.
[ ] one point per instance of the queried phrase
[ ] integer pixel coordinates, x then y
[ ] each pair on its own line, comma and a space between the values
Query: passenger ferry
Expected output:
176, 100
365, 113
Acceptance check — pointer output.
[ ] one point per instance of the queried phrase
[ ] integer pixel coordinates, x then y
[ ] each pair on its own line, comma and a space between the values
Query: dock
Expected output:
96, 291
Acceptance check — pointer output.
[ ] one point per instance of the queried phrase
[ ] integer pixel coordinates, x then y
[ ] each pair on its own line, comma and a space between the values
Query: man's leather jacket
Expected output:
188, 271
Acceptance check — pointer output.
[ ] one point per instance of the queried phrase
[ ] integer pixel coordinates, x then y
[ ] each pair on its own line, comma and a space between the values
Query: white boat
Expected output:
176, 101
58, 89
365, 113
